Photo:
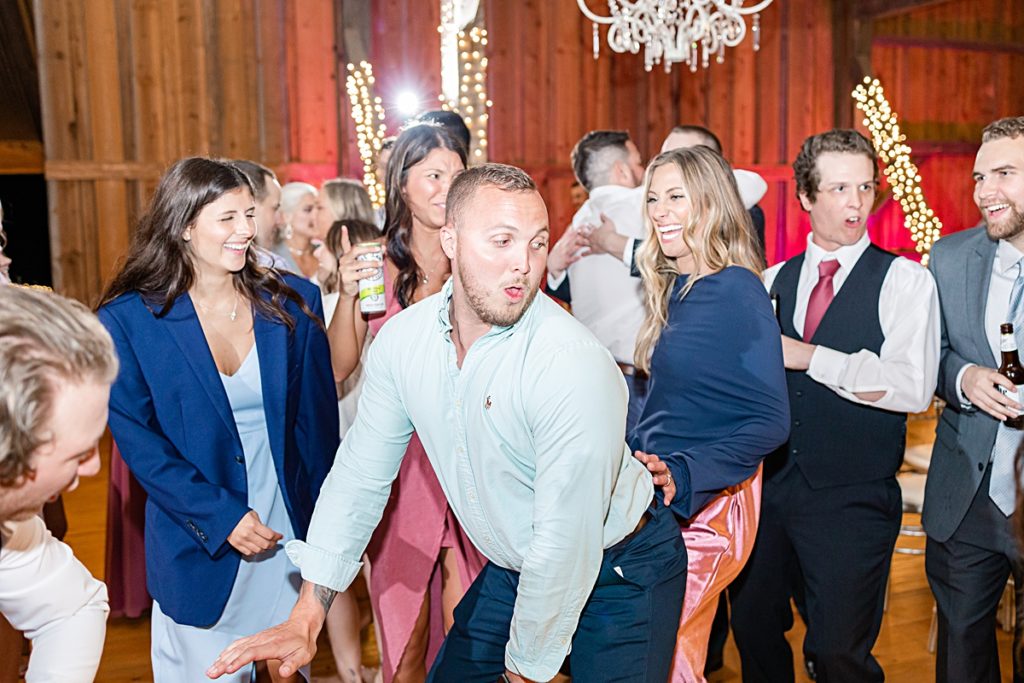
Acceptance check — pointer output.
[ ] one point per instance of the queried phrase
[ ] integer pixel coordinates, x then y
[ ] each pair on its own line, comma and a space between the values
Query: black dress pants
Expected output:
967, 575
841, 538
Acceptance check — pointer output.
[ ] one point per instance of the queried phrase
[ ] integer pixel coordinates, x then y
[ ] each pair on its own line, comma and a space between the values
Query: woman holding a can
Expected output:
418, 532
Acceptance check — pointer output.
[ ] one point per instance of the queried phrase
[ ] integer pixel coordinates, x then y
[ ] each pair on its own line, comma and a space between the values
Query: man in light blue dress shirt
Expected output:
521, 412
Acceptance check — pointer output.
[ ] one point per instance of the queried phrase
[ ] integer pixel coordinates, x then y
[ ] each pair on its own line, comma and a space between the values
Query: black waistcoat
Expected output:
835, 441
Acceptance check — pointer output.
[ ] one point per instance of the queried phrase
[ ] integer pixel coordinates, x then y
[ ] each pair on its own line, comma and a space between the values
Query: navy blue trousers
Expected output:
626, 632
637, 386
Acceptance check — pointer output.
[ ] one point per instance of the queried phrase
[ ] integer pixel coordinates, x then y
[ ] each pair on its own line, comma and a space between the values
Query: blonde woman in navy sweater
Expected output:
717, 401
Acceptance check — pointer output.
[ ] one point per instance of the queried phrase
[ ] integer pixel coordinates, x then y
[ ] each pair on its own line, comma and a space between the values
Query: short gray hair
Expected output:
44, 339
292, 193
466, 184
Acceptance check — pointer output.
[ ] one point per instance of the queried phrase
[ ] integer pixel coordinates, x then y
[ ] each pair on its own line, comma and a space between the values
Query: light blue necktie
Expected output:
1002, 487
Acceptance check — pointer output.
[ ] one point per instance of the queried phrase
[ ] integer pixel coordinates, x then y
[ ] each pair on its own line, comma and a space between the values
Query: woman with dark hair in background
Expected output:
717, 402
421, 561
224, 411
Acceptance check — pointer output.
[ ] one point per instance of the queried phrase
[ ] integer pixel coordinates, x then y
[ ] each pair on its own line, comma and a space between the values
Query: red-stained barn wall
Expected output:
946, 67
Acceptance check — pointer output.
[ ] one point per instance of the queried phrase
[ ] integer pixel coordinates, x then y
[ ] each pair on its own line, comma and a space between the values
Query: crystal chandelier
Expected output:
673, 31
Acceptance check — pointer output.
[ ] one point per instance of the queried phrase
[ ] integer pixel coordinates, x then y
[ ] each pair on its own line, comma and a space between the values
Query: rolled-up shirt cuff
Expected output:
752, 187
322, 567
627, 252
827, 366
964, 401
541, 662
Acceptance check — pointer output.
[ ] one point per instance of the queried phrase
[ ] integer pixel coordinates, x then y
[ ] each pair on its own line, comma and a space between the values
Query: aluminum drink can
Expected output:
371, 289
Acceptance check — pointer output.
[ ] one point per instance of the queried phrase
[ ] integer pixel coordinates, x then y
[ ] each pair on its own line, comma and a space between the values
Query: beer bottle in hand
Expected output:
1012, 370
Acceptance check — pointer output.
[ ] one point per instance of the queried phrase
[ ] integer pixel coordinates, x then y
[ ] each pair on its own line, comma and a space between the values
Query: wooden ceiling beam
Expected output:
874, 9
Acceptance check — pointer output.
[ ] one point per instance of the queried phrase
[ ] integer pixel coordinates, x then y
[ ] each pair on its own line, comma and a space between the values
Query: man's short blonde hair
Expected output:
44, 339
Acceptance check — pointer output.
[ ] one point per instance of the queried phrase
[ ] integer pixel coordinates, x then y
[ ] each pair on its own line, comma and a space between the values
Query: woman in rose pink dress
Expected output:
717, 402
421, 561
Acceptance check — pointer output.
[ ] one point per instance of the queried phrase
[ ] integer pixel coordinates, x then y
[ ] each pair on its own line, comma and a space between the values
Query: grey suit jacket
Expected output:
962, 266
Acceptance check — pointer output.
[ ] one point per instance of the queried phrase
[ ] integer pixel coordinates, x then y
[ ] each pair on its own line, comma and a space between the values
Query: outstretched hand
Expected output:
293, 643
659, 473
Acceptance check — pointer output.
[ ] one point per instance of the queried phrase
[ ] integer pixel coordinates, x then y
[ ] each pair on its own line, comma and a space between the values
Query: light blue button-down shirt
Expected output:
527, 442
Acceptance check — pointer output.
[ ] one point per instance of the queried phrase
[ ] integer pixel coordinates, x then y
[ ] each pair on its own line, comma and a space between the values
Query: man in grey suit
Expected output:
971, 484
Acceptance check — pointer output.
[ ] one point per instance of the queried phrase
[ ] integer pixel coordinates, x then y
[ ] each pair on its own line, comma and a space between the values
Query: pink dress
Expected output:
718, 540
126, 550
406, 546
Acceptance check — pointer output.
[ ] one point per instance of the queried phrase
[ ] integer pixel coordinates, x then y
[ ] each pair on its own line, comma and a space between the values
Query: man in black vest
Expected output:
861, 343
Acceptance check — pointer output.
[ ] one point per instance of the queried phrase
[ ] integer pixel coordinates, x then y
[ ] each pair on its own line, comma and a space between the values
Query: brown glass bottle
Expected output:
1011, 369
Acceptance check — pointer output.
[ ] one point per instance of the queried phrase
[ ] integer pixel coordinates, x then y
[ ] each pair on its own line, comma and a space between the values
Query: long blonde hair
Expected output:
348, 199
718, 232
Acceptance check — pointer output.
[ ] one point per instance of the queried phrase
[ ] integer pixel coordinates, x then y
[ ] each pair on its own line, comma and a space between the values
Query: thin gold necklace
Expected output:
234, 309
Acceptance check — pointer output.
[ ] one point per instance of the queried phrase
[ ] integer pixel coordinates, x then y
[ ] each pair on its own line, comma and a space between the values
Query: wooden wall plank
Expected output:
21, 157
106, 132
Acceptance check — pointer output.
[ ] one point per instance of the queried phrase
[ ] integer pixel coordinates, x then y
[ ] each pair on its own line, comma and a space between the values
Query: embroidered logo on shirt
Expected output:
487, 403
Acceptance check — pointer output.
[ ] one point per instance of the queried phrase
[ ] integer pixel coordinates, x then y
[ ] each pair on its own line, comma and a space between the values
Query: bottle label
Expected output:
1012, 395
1007, 342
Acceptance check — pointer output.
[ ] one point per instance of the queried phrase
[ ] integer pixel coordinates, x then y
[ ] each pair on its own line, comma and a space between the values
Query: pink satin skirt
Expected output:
718, 540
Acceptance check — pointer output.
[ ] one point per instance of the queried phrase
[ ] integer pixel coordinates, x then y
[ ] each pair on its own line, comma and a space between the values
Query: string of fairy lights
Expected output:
368, 115
902, 174
470, 100
473, 103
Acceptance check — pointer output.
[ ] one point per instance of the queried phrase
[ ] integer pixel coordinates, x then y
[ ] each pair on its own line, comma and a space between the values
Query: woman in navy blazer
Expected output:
224, 410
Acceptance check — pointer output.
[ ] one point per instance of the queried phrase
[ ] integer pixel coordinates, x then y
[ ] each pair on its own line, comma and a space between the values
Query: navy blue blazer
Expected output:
171, 419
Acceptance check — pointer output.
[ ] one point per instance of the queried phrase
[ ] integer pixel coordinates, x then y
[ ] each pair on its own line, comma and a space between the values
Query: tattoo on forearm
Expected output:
324, 595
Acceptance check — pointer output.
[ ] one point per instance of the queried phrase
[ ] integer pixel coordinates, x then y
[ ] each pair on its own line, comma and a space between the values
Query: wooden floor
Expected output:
901, 647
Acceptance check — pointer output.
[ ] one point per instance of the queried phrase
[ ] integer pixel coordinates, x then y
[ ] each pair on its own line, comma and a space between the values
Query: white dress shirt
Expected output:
907, 365
52, 597
605, 297
997, 304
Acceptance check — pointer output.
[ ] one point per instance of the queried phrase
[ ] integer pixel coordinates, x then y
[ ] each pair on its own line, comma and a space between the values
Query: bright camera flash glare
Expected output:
408, 102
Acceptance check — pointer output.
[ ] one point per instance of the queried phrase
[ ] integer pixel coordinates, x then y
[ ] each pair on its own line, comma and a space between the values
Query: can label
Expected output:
371, 288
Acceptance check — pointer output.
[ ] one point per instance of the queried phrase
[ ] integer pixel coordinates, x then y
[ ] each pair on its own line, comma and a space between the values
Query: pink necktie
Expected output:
821, 297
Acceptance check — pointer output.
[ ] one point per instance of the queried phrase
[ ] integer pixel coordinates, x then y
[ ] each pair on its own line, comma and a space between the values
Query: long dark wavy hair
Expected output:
412, 146
160, 266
